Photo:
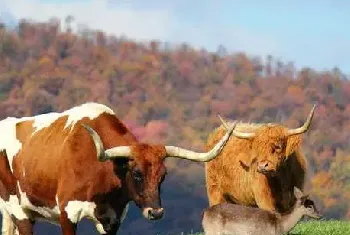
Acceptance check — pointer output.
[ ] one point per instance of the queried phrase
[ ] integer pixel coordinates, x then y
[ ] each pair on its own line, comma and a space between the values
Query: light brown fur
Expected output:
233, 177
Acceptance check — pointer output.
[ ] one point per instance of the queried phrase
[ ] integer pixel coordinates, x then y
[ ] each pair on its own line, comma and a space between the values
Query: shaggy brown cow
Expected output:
259, 166
54, 167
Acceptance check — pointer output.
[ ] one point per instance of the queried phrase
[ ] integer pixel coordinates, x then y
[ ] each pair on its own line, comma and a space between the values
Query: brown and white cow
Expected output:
81, 163
259, 166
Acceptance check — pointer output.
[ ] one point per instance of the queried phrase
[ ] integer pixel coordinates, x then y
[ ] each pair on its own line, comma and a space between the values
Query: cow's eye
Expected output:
276, 148
137, 175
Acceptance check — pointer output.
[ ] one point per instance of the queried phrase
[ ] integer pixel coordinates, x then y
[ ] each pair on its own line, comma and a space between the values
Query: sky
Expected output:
311, 33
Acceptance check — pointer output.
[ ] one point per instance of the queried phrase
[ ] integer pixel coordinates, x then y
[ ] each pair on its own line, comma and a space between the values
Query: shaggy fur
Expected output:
233, 177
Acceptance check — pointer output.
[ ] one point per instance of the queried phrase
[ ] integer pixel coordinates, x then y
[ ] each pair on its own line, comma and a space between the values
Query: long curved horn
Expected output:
173, 151
238, 134
306, 125
102, 154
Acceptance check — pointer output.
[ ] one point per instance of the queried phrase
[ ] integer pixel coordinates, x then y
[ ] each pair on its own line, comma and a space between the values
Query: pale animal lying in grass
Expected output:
232, 219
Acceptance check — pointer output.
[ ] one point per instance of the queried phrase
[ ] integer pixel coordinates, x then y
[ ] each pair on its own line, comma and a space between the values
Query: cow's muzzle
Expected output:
153, 214
266, 168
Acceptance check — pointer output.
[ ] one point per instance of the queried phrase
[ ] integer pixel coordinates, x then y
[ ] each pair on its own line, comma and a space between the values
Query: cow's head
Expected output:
146, 169
272, 144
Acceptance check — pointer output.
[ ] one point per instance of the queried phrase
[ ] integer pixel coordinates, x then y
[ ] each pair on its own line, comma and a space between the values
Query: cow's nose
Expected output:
155, 214
266, 167
263, 166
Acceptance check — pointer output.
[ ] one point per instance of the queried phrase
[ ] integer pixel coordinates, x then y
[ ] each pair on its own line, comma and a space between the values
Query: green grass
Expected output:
322, 228
317, 228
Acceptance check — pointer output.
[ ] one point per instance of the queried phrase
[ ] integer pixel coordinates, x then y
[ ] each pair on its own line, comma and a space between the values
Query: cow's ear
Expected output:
247, 166
293, 143
244, 165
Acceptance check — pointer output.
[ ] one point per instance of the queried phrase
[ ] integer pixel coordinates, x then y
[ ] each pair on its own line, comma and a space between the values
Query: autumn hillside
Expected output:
172, 94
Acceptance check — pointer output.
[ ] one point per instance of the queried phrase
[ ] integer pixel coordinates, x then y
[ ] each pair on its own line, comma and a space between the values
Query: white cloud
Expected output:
97, 14
200, 23
234, 39
171, 21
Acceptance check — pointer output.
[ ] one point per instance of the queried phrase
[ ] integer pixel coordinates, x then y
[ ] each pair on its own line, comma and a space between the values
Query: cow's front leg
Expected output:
67, 226
114, 229
214, 192
263, 194
25, 227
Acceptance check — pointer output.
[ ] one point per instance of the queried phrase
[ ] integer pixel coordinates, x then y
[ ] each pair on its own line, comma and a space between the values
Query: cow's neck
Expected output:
282, 184
118, 199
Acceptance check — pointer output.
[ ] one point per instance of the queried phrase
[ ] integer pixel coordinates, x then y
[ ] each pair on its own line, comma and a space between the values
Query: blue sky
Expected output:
310, 34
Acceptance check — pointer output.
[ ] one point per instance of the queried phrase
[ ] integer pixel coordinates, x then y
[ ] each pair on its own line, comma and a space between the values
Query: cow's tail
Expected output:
6, 176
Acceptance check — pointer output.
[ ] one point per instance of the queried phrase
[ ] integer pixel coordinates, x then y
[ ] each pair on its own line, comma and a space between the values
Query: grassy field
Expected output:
318, 228
322, 228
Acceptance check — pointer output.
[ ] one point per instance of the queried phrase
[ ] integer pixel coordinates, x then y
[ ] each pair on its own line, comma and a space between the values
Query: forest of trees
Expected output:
172, 94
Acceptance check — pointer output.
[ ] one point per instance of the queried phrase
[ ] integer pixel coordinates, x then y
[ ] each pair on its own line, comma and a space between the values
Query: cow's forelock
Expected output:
269, 148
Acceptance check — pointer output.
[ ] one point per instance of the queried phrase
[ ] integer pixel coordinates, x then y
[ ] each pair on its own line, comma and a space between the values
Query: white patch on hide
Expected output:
8, 227
90, 110
13, 207
48, 214
77, 210
8, 138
